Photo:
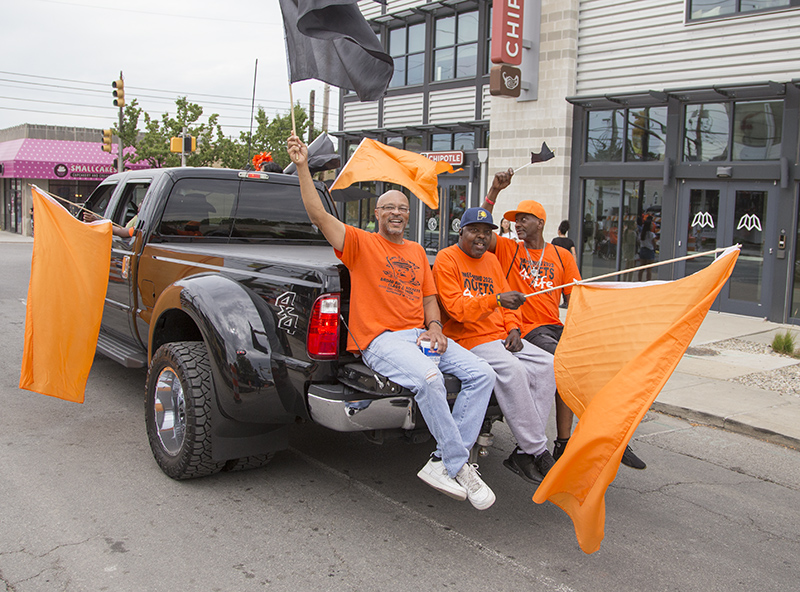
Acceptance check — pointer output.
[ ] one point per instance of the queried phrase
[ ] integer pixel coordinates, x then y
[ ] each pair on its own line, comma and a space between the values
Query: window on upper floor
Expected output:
455, 43
710, 9
407, 48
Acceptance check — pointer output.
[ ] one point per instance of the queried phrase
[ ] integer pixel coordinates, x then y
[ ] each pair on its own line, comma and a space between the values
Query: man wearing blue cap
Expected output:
480, 314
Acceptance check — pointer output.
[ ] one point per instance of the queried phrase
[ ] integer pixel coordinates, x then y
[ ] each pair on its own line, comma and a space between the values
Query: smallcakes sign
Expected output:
84, 171
507, 18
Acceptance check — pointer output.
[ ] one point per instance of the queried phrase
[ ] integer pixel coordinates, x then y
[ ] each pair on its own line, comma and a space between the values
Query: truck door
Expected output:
119, 305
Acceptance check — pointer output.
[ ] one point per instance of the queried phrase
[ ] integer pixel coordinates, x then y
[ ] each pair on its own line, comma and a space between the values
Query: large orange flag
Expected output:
373, 161
69, 277
621, 343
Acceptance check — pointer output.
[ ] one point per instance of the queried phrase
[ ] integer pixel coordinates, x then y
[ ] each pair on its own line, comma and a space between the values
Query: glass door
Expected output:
721, 214
440, 227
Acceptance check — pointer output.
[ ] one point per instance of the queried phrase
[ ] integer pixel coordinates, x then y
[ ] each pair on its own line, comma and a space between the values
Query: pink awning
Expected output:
30, 158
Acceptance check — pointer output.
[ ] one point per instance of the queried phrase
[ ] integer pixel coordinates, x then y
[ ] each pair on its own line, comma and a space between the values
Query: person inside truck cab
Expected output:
391, 313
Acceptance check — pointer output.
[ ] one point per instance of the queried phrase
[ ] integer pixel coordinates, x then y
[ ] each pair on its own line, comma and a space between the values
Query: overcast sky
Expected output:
59, 58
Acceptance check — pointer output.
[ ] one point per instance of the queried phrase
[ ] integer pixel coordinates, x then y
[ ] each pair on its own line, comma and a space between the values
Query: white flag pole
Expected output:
631, 270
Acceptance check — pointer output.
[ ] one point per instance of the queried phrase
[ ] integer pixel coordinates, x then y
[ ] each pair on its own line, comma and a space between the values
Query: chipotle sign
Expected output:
507, 32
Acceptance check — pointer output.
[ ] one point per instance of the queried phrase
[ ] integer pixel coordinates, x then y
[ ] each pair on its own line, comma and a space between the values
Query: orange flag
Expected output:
69, 277
621, 343
373, 161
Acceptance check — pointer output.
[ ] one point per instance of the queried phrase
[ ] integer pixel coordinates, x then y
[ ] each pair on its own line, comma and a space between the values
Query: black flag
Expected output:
322, 156
545, 154
330, 40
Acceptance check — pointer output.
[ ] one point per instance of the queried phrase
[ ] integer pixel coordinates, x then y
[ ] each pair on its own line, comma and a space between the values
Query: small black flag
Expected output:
322, 156
545, 154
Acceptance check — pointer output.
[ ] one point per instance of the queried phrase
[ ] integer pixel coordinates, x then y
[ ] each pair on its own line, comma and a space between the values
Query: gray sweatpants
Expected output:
524, 390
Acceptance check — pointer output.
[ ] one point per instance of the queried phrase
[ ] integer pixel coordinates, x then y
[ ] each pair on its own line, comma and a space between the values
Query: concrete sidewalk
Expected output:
713, 382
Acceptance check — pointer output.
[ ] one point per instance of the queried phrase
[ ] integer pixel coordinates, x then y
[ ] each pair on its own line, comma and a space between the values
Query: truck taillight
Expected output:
323, 328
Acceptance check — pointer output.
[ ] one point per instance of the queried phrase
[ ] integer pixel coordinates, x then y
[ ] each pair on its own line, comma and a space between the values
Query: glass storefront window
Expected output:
614, 213
706, 131
464, 141
414, 144
757, 130
604, 142
395, 142
647, 134
441, 142
601, 199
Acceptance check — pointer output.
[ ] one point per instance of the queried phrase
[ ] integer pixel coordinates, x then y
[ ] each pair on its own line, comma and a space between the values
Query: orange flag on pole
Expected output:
69, 277
621, 343
373, 161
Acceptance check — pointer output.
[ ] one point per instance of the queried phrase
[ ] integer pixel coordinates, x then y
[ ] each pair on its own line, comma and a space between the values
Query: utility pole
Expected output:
326, 99
311, 98
183, 147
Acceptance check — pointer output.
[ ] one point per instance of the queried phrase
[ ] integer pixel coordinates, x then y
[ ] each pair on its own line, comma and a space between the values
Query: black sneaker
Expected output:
523, 465
629, 459
558, 447
544, 462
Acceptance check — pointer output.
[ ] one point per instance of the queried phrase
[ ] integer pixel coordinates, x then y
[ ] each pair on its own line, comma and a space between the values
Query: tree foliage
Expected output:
213, 147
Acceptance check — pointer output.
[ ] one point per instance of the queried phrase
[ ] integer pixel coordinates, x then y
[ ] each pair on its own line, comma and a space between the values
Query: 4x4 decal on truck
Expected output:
287, 317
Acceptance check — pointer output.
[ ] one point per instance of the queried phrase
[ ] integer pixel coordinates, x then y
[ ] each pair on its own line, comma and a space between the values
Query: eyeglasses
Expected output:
401, 209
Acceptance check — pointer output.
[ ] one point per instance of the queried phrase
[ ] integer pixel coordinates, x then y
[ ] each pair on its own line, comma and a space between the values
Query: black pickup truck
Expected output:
237, 306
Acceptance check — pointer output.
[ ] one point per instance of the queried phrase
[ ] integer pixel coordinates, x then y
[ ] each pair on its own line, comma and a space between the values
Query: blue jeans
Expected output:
397, 356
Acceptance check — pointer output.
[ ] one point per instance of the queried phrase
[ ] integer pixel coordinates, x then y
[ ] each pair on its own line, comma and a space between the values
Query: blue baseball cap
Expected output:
477, 216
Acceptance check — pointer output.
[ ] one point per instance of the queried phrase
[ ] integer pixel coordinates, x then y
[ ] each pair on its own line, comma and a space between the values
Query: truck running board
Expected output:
121, 352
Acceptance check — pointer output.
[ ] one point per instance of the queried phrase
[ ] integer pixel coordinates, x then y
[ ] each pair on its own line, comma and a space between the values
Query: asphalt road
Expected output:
83, 506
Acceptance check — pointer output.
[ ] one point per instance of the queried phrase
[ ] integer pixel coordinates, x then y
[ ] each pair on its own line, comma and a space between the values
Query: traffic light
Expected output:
184, 145
107, 140
119, 93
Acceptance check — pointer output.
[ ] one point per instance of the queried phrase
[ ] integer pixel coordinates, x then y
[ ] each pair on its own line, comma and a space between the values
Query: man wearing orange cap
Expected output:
532, 265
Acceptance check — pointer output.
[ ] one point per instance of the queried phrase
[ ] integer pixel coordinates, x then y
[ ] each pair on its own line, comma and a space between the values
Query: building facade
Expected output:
66, 161
680, 113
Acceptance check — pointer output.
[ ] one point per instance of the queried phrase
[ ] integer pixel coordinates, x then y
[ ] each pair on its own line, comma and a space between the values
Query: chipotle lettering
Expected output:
507, 32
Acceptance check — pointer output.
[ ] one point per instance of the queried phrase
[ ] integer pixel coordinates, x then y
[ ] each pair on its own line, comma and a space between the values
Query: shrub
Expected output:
784, 343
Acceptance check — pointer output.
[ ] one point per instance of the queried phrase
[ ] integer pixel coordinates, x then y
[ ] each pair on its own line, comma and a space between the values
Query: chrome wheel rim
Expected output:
169, 408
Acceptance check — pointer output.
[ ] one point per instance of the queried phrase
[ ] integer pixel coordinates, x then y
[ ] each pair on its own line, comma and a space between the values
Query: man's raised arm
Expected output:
501, 180
332, 228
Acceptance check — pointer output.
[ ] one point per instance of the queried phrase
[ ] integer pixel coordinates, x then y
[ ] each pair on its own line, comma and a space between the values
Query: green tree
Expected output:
130, 127
154, 144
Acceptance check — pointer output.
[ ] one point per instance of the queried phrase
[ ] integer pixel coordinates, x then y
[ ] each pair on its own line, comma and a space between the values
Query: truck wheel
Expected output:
178, 410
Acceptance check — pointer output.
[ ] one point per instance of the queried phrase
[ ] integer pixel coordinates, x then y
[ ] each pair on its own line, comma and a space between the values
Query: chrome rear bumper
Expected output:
343, 409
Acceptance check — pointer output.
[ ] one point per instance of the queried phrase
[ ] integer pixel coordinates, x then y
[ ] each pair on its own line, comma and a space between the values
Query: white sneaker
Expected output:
435, 475
478, 492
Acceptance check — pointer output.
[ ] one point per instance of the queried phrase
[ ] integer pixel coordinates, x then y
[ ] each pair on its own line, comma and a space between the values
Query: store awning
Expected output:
29, 158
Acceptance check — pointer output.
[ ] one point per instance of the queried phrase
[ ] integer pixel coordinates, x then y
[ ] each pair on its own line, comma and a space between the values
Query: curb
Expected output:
728, 424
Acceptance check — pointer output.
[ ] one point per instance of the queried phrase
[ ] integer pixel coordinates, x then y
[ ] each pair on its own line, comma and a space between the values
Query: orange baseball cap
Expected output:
527, 206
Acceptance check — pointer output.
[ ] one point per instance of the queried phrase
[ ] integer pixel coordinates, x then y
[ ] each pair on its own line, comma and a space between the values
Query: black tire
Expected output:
247, 463
178, 403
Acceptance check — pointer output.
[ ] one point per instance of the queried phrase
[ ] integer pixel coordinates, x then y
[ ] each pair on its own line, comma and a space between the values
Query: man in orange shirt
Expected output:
532, 265
392, 296
480, 314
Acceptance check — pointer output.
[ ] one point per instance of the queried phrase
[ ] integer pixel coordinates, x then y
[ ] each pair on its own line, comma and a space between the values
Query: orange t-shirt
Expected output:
387, 284
468, 290
526, 275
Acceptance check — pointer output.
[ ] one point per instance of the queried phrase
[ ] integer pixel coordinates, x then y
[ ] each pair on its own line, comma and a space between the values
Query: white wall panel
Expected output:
403, 110
636, 45
358, 116
486, 106
451, 106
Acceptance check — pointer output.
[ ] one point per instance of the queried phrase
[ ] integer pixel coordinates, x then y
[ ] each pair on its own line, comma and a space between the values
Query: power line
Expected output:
163, 14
